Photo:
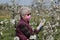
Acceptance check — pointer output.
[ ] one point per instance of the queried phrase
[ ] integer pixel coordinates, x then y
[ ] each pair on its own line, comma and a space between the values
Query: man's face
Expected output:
27, 16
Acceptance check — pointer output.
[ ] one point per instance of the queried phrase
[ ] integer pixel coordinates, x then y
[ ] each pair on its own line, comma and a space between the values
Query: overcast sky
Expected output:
25, 2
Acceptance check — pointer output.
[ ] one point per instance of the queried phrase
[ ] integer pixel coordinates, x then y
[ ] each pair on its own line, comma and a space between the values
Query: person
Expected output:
23, 29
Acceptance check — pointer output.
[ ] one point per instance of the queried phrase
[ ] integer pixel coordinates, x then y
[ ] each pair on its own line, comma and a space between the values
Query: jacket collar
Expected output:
25, 21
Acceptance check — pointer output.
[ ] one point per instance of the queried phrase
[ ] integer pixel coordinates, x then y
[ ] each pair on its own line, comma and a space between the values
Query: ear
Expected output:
23, 16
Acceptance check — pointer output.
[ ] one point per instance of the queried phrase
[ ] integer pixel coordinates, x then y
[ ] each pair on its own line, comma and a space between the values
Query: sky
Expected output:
23, 2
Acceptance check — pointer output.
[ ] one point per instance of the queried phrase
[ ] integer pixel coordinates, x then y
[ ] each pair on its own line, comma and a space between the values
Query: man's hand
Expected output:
41, 24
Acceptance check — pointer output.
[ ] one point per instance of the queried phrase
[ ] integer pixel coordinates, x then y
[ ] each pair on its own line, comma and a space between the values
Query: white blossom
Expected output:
38, 14
1, 33
50, 37
1, 22
12, 21
32, 37
57, 24
58, 18
16, 38
36, 11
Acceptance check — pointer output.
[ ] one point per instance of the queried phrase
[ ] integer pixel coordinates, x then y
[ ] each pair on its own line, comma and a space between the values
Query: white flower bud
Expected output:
32, 37
16, 38
1, 33
1, 22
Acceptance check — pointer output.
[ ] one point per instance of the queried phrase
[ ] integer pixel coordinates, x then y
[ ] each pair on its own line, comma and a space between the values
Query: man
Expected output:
23, 29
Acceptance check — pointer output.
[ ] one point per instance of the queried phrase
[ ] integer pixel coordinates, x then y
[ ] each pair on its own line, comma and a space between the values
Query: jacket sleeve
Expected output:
37, 31
23, 37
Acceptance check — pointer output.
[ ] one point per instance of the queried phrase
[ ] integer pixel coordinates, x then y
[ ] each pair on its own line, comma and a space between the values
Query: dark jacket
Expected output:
24, 30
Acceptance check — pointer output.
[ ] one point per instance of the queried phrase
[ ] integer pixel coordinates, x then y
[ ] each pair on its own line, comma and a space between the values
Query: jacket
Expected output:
24, 30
